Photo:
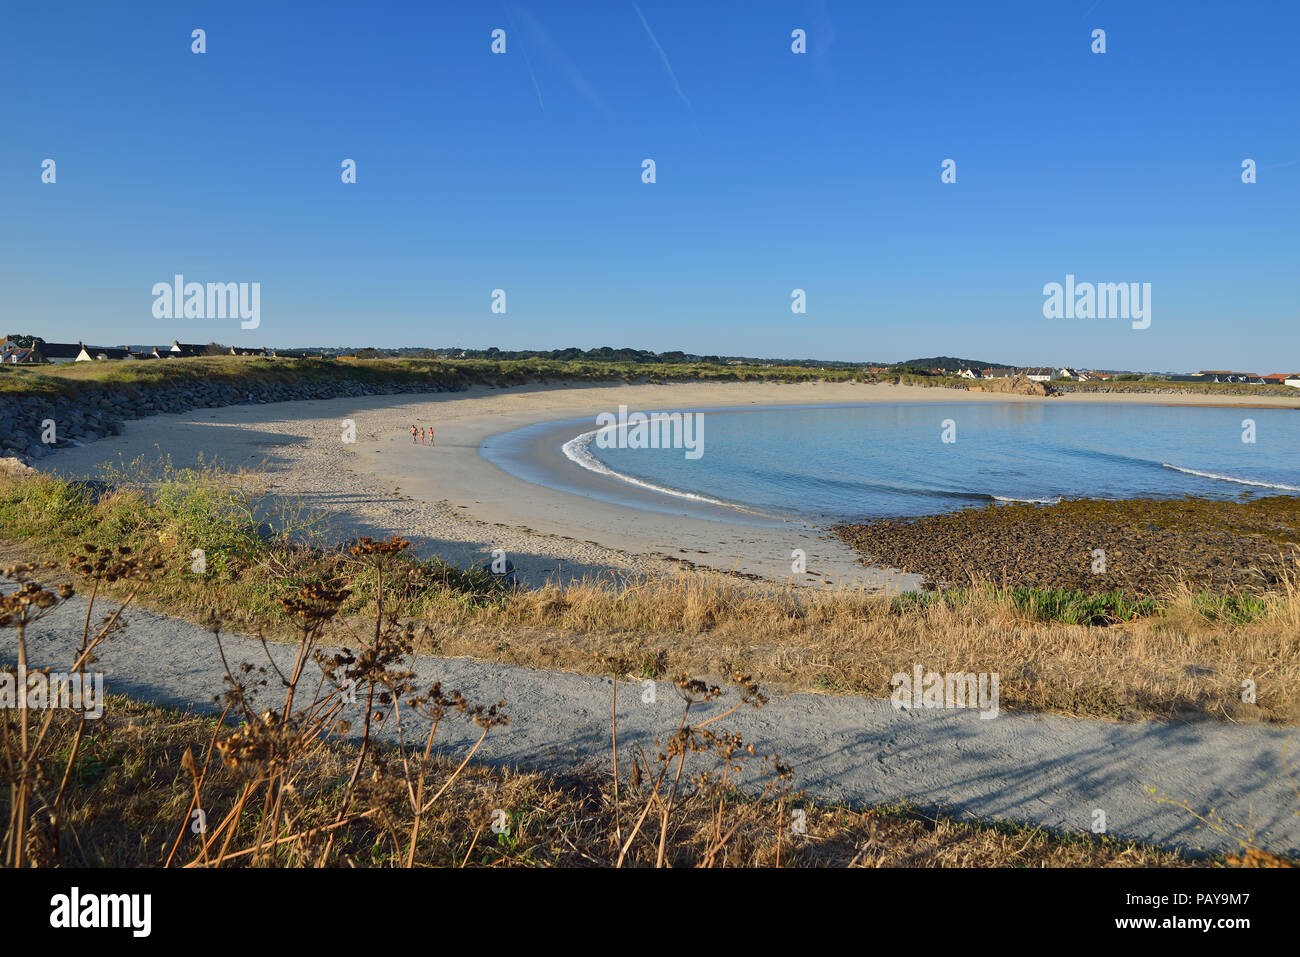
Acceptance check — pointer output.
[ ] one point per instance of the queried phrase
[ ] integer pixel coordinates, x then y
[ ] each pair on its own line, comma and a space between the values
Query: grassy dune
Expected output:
80, 378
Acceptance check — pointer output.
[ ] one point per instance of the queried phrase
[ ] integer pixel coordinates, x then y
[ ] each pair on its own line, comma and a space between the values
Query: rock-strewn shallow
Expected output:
1149, 544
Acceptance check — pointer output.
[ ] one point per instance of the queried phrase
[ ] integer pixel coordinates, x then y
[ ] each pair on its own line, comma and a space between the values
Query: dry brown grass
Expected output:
134, 791
1179, 663
1189, 658
1176, 663
287, 786
292, 786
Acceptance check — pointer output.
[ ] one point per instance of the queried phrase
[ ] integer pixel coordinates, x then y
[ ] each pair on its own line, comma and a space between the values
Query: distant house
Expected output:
1293, 382
237, 351
13, 352
968, 374
1037, 374
89, 353
1078, 375
66, 352
61, 352
19, 355
182, 350
1225, 375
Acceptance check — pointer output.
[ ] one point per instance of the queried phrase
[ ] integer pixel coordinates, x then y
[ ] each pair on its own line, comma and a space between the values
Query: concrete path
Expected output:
1050, 770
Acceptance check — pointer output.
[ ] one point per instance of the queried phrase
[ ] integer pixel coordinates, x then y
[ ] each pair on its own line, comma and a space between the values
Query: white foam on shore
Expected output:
578, 451
1229, 478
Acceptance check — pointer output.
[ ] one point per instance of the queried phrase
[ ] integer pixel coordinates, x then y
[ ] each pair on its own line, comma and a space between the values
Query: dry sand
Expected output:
451, 501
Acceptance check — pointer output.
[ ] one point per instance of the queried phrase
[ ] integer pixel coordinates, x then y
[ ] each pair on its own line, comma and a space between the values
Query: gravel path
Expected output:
1054, 771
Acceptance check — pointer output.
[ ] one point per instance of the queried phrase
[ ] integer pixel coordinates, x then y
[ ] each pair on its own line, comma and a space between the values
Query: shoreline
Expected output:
451, 500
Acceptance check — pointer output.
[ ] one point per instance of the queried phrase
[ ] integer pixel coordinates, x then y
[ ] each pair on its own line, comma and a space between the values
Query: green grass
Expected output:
88, 378
1041, 604
170, 512
1079, 608
80, 379
1235, 609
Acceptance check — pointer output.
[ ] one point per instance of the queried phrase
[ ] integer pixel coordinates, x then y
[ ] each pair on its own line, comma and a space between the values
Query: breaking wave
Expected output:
1230, 478
578, 450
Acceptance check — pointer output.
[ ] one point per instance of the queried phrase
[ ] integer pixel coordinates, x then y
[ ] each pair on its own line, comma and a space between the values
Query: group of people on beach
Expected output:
419, 435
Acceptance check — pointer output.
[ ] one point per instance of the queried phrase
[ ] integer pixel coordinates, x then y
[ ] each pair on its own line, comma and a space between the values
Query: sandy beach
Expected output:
451, 501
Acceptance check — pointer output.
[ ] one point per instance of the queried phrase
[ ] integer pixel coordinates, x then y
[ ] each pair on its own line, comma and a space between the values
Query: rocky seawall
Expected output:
28, 423
1020, 385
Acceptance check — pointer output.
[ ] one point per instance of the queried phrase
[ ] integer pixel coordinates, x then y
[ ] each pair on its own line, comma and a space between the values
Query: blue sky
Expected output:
775, 171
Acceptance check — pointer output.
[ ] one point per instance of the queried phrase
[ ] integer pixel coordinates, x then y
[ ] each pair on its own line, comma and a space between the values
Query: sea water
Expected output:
851, 462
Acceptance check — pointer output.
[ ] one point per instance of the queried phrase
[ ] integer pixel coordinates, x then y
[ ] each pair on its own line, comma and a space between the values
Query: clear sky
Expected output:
775, 171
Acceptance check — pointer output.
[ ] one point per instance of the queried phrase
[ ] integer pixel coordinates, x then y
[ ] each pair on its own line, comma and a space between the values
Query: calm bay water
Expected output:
828, 463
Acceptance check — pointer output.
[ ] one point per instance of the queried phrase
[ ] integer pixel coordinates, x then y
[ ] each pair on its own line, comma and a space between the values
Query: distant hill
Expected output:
949, 364
572, 354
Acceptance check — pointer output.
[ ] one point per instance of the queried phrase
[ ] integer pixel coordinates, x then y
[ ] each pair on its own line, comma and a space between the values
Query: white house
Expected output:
1294, 382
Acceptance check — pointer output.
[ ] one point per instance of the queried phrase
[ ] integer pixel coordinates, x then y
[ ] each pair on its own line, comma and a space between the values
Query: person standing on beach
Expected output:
430, 435
413, 433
